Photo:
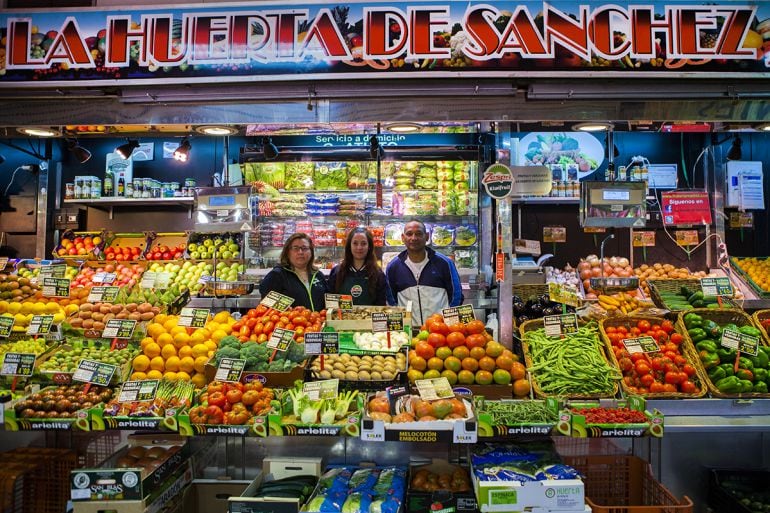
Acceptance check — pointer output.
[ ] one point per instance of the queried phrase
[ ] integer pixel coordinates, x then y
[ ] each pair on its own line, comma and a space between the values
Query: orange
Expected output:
501, 377
483, 377
181, 339
154, 374
157, 363
200, 350
187, 364
443, 352
487, 363
182, 376
450, 376
521, 388
494, 349
414, 375
453, 363
431, 374
145, 341
418, 363
172, 363
141, 363
199, 380
171, 323
504, 362
465, 377
184, 351
165, 339
470, 364
168, 351
478, 353
170, 375
436, 363
138, 376
152, 350
218, 335
461, 352
518, 371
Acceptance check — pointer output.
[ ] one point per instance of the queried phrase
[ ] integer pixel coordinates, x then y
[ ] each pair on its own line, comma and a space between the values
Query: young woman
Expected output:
296, 276
358, 274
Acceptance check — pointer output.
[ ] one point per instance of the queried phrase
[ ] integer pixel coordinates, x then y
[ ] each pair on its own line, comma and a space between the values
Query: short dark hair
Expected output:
415, 220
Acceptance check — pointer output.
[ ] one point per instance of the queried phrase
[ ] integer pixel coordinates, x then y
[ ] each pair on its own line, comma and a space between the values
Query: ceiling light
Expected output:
764, 127
375, 150
125, 150
403, 128
216, 130
182, 153
594, 126
735, 153
269, 149
81, 154
38, 131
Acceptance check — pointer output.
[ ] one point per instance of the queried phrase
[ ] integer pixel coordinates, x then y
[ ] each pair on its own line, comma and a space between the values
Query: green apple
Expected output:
227, 255
208, 243
195, 255
233, 247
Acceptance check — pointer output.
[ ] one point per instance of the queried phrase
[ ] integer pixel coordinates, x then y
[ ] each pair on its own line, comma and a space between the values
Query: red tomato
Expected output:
437, 340
643, 326
234, 396
610, 330
688, 369
676, 338
673, 377
647, 380
667, 326
688, 387
642, 367
657, 388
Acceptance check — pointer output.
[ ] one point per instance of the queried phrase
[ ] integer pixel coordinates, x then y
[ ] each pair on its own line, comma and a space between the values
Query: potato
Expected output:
351, 375
146, 316
155, 310
338, 374
86, 314
88, 324
107, 317
364, 376
77, 322
131, 307
99, 326
116, 309
105, 309
325, 374
86, 307
134, 316
97, 316
122, 315
144, 307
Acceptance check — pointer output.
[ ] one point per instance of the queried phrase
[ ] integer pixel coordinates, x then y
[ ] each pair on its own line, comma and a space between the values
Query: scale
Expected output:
220, 209
526, 270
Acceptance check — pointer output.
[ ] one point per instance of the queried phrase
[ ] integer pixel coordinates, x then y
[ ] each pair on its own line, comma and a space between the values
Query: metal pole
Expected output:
226, 161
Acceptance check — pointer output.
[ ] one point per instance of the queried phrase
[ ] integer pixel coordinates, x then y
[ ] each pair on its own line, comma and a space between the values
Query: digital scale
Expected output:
222, 209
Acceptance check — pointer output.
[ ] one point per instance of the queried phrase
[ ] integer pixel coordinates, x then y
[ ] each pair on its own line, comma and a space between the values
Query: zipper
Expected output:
308, 288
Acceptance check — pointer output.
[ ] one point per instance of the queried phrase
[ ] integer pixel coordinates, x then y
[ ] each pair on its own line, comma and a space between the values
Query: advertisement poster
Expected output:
686, 207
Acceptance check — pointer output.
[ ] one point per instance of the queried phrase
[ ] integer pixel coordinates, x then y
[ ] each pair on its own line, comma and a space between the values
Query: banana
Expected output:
609, 300
607, 306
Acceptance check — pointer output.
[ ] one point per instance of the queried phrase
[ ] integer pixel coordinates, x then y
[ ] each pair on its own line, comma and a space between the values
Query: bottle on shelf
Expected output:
621, 174
609, 173
108, 180
121, 185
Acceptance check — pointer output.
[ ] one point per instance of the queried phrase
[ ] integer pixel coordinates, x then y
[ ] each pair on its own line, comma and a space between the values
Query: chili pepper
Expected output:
745, 374
729, 385
599, 415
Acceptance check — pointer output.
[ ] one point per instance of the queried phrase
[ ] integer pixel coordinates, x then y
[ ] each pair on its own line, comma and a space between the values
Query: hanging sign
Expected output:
277, 301
687, 237
18, 364
462, 314
686, 207
498, 181
554, 234
740, 220
644, 239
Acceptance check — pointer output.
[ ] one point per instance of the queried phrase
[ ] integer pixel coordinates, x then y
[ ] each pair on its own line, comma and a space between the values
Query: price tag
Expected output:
53, 271
277, 301
3, 262
558, 325
339, 301
740, 220
18, 364
281, 339
56, 287
563, 294
230, 370
644, 239
103, 277
119, 328
162, 280
719, 286
322, 343
554, 234
326, 389
138, 391
387, 321
97, 373
687, 237
432, 389
40, 325
526, 247
462, 314
194, 317
736, 340
148, 280
104, 294
6, 326
641, 345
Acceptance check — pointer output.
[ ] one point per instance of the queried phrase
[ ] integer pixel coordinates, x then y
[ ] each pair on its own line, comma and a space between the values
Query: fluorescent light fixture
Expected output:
216, 130
403, 128
182, 153
38, 131
594, 126
125, 150
81, 154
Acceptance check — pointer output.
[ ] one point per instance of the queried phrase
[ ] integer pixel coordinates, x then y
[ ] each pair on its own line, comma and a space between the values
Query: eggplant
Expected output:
536, 310
517, 299
521, 319
549, 310
518, 308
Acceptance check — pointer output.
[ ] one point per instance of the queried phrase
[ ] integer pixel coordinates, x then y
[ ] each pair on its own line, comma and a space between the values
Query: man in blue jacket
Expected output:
421, 275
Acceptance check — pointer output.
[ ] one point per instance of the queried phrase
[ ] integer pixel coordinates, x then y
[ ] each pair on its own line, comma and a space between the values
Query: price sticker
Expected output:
6, 326
432, 389
738, 341
641, 345
103, 277
281, 339
119, 328
558, 325
593, 229
138, 391
53, 271
325, 389
194, 317
148, 280
106, 294
56, 287
462, 314
230, 370
526, 247
18, 364
339, 301
96, 373
322, 343
644, 239
3, 262
719, 286
277, 301
393, 321
563, 294
40, 325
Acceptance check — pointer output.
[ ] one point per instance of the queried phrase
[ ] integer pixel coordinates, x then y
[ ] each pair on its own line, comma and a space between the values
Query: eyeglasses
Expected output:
299, 249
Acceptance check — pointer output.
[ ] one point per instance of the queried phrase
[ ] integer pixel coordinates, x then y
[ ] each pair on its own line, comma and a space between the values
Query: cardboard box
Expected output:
489, 429
272, 470
12, 422
440, 500
348, 426
575, 425
211, 495
563, 496
333, 320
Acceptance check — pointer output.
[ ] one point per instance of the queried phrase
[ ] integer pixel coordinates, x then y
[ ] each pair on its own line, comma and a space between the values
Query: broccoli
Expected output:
229, 341
296, 352
226, 352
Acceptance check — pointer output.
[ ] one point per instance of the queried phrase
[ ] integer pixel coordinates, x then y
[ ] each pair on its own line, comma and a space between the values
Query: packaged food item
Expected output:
466, 259
443, 235
393, 232
331, 176
466, 235
299, 175
272, 173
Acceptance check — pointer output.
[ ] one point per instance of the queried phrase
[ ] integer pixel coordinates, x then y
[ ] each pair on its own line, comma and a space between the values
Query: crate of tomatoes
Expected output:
653, 357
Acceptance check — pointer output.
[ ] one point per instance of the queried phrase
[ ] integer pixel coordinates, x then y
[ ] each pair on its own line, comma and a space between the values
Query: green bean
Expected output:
519, 412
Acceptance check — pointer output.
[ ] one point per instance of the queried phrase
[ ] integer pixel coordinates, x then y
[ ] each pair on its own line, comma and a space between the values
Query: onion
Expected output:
596, 272
613, 261
592, 258
623, 262
585, 274
583, 266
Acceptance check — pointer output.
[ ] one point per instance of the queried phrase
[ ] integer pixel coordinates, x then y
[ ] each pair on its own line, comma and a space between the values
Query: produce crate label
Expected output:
56, 287
277, 301
740, 220
687, 237
554, 234
6, 325
162, 280
138, 391
736, 340
119, 328
106, 294
53, 271
103, 277
563, 294
322, 343
641, 345
720, 286
324, 389
644, 239
40, 325
387, 321
462, 314
91, 371
148, 280
342, 302
280, 340
526, 247
194, 317
432, 389
230, 370
558, 325
18, 364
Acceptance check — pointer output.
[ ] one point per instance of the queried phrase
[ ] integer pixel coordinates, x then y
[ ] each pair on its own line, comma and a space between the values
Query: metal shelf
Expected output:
713, 415
109, 204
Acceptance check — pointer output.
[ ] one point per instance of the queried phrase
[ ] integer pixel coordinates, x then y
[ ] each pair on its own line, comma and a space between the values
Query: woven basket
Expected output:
757, 289
758, 317
658, 286
631, 321
536, 324
721, 317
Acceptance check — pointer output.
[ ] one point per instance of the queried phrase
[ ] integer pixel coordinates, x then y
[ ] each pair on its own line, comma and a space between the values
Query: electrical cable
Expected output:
12, 178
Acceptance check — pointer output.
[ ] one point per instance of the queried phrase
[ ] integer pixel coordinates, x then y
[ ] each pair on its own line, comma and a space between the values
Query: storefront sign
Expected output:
686, 207
498, 181
237, 42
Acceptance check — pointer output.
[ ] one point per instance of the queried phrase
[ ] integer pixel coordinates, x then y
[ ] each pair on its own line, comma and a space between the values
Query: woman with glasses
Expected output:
296, 276
358, 274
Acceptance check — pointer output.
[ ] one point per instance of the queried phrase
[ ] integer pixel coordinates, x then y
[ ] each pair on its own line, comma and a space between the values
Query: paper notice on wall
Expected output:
745, 185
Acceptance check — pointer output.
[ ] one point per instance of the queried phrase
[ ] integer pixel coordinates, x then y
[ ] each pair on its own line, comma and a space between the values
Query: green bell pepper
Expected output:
693, 320
760, 374
716, 373
725, 354
729, 368
712, 328
761, 360
760, 387
730, 326
750, 330
706, 345
745, 363
697, 334
729, 385
746, 385
745, 374
708, 359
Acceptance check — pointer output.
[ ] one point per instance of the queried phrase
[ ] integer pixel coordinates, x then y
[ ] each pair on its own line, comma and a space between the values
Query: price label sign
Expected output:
740, 220
564, 295
18, 364
325, 389
3, 262
103, 277
558, 325
56, 287
277, 301
6, 326
162, 280
53, 271
554, 234
339, 301
230, 370
462, 314
687, 237
526, 247
138, 391
119, 328
106, 294
645, 239
322, 343
40, 325
97, 373
148, 280
641, 345
387, 321
719, 286
432, 389
194, 317
281, 339
736, 340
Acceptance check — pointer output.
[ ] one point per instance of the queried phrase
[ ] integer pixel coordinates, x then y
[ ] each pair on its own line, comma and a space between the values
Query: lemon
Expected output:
170, 375
200, 350
52, 308
160, 318
14, 308
157, 363
152, 350
145, 341
199, 380
212, 326
200, 363
167, 352
141, 363
170, 323
26, 308
172, 363
217, 336
182, 376
155, 330
58, 318
210, 345
184, 351
177, 330
221, 317
138, 376
3, 306
154, 374
187, 364
197, 337
165, 339
226, 328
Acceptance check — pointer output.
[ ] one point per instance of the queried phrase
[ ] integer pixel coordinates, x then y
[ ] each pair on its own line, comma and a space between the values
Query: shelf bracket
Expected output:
111, 212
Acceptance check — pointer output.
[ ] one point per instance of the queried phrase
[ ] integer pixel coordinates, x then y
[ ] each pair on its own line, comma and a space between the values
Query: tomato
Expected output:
475, 327
437, 340
425, 350
275, 318
280, 324
688, 387
688, 369
268, 327
458, 327
299, 330
625, 364
234, 396
262, 338
251, 323
673, 377
635, 332
250, 397
671, 355
215, 386
610, 330
237, 326
301, 321
236, 418
647, 380
622, 330
658, 363
657, 388
667, 326
669, 387
244, 331
253, 385
655, 327
472, 341
217, 398
284, 319
642, 367
643, 326
638, 357
455, 339
676, 338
